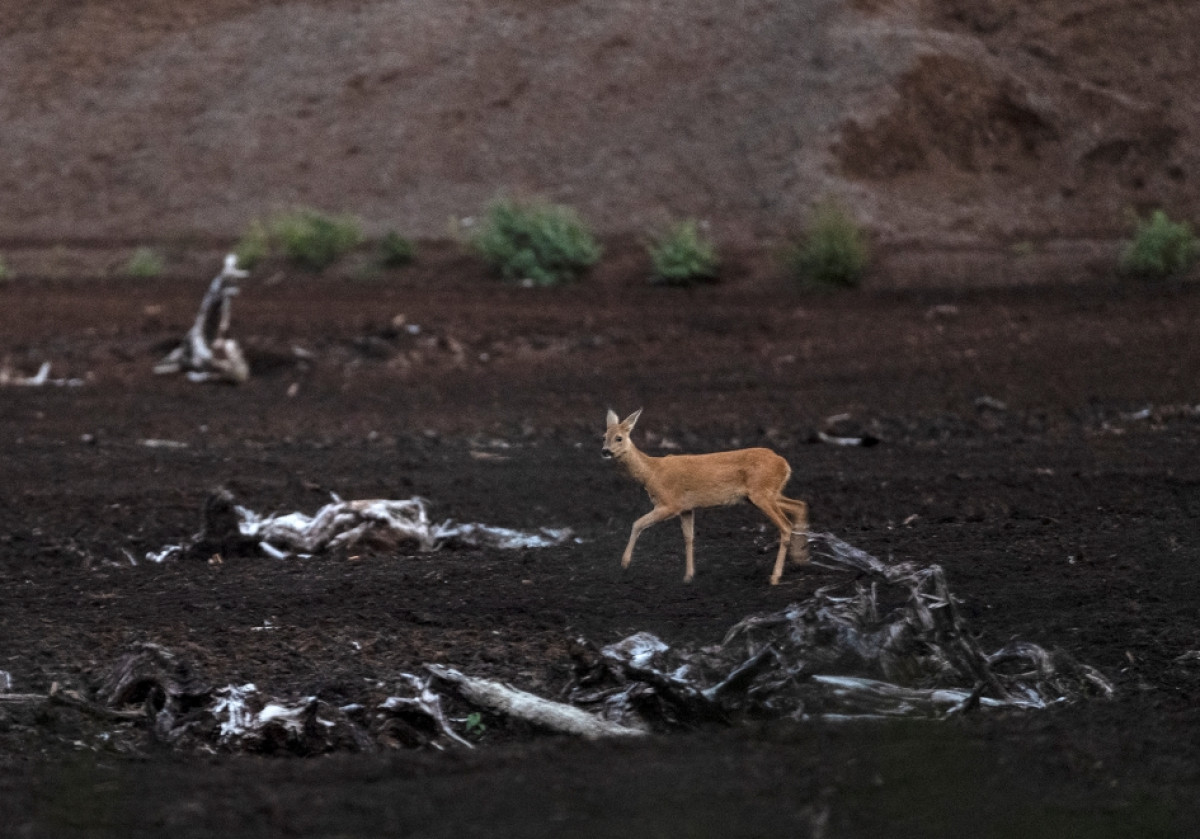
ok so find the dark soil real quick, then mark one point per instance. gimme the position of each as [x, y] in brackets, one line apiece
[1037, 419]
[1061, 508]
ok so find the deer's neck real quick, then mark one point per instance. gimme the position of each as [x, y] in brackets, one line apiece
[639, 465]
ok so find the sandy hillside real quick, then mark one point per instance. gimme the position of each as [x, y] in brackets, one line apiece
[942, 120]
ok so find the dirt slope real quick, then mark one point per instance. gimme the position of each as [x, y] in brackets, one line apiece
[1035, 120]
[943, 119]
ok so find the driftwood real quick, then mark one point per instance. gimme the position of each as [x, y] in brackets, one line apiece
[68, 699]
[375, 524]
[153, 685]
[207, 353]
[897, 646]
[385, 524]
[426, 703]
[248, 721]
[890, 643]
[10, 377]
[542, 713]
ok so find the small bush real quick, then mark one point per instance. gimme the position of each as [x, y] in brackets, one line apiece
[834, 251]
[254, 246]
[683, 256]
[535, 242]
[309, 238]
[1160, 248]
[144, 263]
[395, 251]
[314, 240]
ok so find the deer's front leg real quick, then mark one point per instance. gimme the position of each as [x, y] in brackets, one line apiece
[688, 519]
[653, 517]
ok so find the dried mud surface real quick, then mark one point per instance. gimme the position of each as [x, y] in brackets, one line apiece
[1062, 506]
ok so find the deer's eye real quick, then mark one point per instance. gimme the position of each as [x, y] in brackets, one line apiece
[618, 439]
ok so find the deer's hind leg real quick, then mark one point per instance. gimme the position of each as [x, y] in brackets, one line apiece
[772, 507]
[798, 511]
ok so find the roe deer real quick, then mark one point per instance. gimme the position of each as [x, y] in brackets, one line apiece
[678, 484]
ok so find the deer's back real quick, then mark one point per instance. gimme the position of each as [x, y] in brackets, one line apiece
[710, 480]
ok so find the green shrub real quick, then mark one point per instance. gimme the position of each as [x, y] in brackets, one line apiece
[834, 251]
[535, 242]
[395, 250]
[683, 255]
[144, 263]
[309, 238]
[254, 246]
[1160, 248]
[314, 240]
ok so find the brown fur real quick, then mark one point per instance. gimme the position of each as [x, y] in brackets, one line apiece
[678, 484]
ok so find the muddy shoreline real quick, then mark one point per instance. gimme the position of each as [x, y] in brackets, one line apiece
[1036, 442]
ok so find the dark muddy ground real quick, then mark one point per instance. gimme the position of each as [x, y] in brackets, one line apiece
[1063, 507]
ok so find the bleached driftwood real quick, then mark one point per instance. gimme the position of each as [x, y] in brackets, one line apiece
[425, 702]
[208, 353]
[543, 713]
[898, 646]
[377, 524]
[894, 645]
[10, 378]
[154, 684]
[382, 523]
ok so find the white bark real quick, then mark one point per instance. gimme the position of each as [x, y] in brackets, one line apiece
[207, 353]
[544, 713]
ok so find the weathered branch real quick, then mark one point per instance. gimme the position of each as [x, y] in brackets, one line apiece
[896, 647]
[23, 698]
[543, 713]
[207, 352]
[70, 699]
[379, 524]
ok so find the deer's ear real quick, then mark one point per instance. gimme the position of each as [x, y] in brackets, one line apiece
[612, 418]
[631, 420]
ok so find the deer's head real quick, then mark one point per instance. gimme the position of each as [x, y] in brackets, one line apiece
[616, 436]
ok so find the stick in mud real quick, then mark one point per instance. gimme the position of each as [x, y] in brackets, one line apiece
[207, 353]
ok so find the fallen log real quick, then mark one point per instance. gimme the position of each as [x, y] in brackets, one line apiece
[543, 713]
